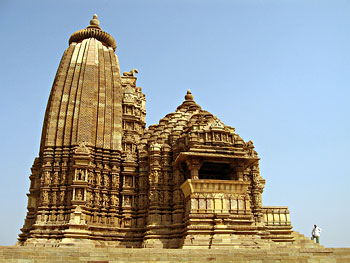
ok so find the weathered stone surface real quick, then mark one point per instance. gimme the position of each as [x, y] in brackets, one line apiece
[109, 255]
[104, 180]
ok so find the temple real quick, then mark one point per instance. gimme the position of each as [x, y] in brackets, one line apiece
[103, 179]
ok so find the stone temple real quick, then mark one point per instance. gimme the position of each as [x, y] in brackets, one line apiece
[103, 179]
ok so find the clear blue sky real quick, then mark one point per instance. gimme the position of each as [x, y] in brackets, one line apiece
[277, 71]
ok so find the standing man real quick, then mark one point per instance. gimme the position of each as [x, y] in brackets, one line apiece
[316, 233]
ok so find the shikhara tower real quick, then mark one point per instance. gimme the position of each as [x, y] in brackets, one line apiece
[103, 178]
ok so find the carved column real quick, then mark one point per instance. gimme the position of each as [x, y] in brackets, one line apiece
[114, 192]
[257, 190]
[143, 184]
[166, 199]
[46, 176]
[239, 173]
[155, 158]
[194, 165]
[152, 238]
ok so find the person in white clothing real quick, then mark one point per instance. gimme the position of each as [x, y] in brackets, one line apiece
[316, 233]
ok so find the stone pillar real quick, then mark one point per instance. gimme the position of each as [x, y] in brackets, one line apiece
[155, 158]
[143, 183]
[239, 173]
[46, 176]
[114, 192]
[194, 165]
[152, 237]
[257, 190]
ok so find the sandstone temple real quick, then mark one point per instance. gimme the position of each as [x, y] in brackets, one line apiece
[103, 179]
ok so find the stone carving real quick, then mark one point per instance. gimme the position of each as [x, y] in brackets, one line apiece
[62, 194]
[45, 197]
[88, 197]
[106, 181]
[90, 178]
[127, 200]
[128, 181]
[82, 148]
[131, 73]
[98, 179]
[105, 200]
[55, 178]
[161, 197]
[129, 98]
[114, 200]
[216, 124]
[63, 178]
[155, 147]
[47, 178]
[114, 179]
[155, 176]
[129, 157]
[250, 148]
[98, 199]
[79, 194]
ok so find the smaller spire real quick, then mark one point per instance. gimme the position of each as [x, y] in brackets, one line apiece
[189, 95]
[94, 22]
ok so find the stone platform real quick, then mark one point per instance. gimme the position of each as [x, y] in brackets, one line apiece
[112, 255]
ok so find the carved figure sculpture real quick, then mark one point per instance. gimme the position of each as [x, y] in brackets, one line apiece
[79, 195]
[131, 73]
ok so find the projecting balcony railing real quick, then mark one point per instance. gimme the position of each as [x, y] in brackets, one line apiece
[216, 196]
[276, 216]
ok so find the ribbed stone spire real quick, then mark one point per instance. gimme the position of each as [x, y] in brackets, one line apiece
[85, 101]
[82, 127]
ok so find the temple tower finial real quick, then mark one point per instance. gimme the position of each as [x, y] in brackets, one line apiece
[94, 22]
[93, 31]
[189, 95]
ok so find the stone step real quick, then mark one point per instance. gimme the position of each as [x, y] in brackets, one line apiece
[111, 255]
[304, 242]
